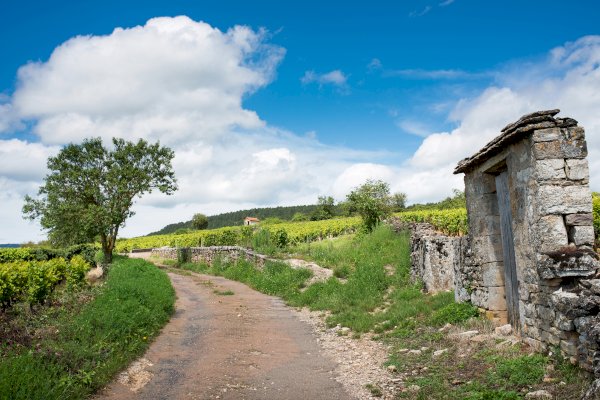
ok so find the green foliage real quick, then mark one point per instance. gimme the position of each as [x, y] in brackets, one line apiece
[184, 255]
[517, 372]
[457, 200]
[33, 281]
[299, 217]
[325, 209]
[450, 221]
[235, 218]
[199, 221]
[398, 201]
[371, 201]
[298, 232]
[88, 348]
[90, 189]
[453, 313]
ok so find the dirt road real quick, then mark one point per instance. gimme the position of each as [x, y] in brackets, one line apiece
[218, 345]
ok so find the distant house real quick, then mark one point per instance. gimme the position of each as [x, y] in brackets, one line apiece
[251, 221]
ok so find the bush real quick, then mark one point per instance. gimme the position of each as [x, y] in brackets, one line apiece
[184, 255]
[454, 313]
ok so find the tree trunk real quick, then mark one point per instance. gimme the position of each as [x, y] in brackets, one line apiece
[106, 249]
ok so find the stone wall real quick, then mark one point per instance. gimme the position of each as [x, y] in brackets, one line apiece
[209, 254]
[436, 259]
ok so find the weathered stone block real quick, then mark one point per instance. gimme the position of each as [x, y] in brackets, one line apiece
[493, 274]
[554, 199]
[546, 135]
[576, 148]
[545, 313]
[583, 219]
[581, 235]
[553, 168]
[577, 169]
[549, 338]
[552, 232]
[496, 300]
[567, 262]
[568, 347]
[530, 311]
[563, 323]
[487, 249]
[546, 150]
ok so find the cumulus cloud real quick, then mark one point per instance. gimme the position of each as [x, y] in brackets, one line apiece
[335, 77]
[172, 79]
[567, 78]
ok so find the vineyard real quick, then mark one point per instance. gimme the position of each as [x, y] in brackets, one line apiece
[451, 222]
[292, 232]
[31, 275]
[33, 281]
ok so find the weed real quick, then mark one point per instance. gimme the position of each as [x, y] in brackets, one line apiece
[374, 389]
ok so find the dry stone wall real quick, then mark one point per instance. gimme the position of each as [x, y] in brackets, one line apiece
[210, 254]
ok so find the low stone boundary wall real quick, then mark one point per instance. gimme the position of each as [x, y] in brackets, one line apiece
[209, 254]
[435, 258]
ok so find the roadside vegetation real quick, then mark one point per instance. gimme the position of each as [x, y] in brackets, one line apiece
[74, 343]
[371, 293]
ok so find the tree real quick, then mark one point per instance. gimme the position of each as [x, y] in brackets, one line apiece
[90, 189]
[199, 221]
[398, 201]
[371, 201]
[325, 209]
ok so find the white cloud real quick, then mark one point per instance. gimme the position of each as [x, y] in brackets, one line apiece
[172, 79]
[335, 77]
[568, 78]
[446, 3]
[181, 82]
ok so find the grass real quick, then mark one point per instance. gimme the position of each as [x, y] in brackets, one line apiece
[80, 348]
[223, 292]
[376, 295]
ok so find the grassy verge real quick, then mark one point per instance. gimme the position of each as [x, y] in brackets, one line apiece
[375, 295]
[77, 349]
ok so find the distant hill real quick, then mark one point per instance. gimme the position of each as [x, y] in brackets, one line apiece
[4, 245]
[237, 217]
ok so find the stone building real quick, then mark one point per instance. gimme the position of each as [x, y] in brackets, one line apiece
[531, 235]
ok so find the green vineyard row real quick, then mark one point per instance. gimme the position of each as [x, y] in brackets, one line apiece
[297, 232]
[451, 222]
[33, 281]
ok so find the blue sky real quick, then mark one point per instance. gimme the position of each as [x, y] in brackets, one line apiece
[370, 89]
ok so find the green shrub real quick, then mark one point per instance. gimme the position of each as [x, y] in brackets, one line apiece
[184, 255]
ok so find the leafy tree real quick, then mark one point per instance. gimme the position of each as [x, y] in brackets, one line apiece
[199, 221]
[398, 201]
[371, 201]
[90, 189]
[325, 209]
[298, 217]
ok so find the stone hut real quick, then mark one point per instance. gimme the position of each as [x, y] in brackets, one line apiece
[531, 235]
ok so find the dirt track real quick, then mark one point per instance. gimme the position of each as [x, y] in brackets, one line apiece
[242, 346]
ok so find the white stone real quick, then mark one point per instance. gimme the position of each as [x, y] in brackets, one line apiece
[503, 330]
[577, 169]
[564, 200]
[581, 235]
[552, 168]
[553, 233]
[539, 394]
[546, 135]
[438, 353]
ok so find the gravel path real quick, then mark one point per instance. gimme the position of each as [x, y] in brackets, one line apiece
[242, 346]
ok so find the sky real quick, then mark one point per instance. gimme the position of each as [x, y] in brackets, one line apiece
[272, 103]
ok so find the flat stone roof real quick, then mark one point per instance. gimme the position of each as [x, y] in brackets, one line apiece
[513, 133]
